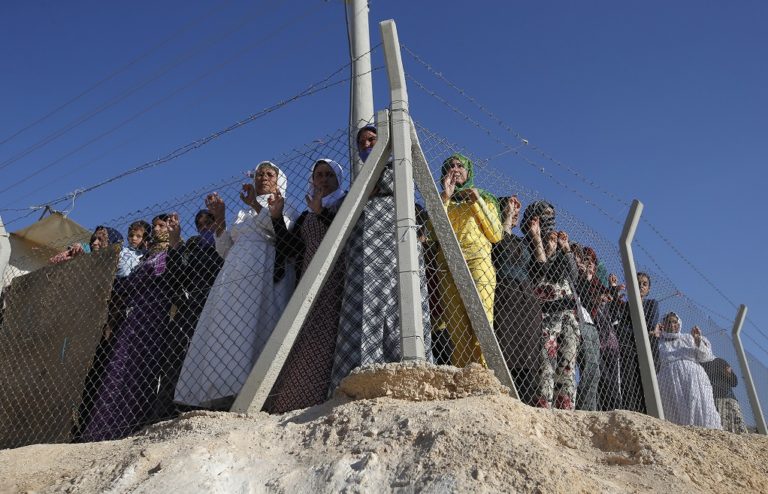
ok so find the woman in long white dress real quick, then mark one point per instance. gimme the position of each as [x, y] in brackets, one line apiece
[246, 300]
[686, 393]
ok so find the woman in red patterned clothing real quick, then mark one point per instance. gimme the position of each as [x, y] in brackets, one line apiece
[303, 381]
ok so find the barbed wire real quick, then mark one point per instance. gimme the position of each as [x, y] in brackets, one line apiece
[513, 132]
[178, 90]
[677, 292]
[500, 177]
[82, 166]
[689, 263]
[115, 73]
[180, 151]
[157, 75]
[756, 343]
[571, 170]
[162, 100]
[512, 149]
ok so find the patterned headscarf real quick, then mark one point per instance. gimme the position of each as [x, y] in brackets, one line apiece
[469, 183]
[338, 194]
[113, 236]
[546, 221]
[159, 241]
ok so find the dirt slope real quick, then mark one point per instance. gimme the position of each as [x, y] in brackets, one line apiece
[414, 427]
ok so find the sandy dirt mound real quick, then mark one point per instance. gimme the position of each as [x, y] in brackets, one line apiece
[480, 443]
[418, 381]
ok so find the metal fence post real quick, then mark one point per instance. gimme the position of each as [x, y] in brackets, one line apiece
[645, 357]
[267, 367]
[757, 410]
[411, 323]
[457, 266]
[5, 252]
[361, 87]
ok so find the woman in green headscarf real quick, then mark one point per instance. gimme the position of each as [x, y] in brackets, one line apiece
[474, 215]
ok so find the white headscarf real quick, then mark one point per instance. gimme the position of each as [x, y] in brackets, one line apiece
[668, 334]
[282, 183]
[338, 194]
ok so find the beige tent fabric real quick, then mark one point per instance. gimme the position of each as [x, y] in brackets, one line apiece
[31, 247]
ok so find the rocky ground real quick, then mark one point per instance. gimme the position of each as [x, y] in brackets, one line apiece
[402, 427]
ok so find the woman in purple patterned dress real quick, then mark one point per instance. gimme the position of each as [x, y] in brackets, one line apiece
[126, 397]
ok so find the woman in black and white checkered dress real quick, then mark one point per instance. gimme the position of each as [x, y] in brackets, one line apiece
[369, 323]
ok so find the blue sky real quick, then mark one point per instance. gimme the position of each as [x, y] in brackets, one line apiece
[661, 101]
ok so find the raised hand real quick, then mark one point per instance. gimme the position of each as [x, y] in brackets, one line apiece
[534, 228]
[550, 246]
[656, 331]
[613, 280]
[513, 207]
[276, 203]
[471, 195]
[315, 201]
[215, 205]
[562, 242]
[248, 196]
[696, 332]
[174, 229]
[449, 186]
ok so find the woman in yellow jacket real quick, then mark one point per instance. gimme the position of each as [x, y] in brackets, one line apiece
[474, 215]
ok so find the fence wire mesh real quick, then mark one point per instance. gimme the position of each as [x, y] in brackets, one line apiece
[557, 316]
[698, 372]
[176, 301]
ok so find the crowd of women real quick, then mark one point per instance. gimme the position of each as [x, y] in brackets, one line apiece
[188, 319]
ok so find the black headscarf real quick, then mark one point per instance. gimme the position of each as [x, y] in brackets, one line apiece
[546, 221]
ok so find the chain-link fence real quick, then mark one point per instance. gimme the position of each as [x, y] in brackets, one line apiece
[699, 377]
[551, 290]
[175, 302]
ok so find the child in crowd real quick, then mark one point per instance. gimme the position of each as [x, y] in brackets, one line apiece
[131, 253]
[127, 392]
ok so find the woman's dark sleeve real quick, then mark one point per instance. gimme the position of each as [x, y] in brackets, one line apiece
[537, 270]
[289, 242]
[651, 310]
[569, 262]
[654, 341]
[176, 263]
[731, 378]
[581, 285]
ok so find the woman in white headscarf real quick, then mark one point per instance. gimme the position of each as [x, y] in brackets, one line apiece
[686, 393]
[247, 298]
[303, 380]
